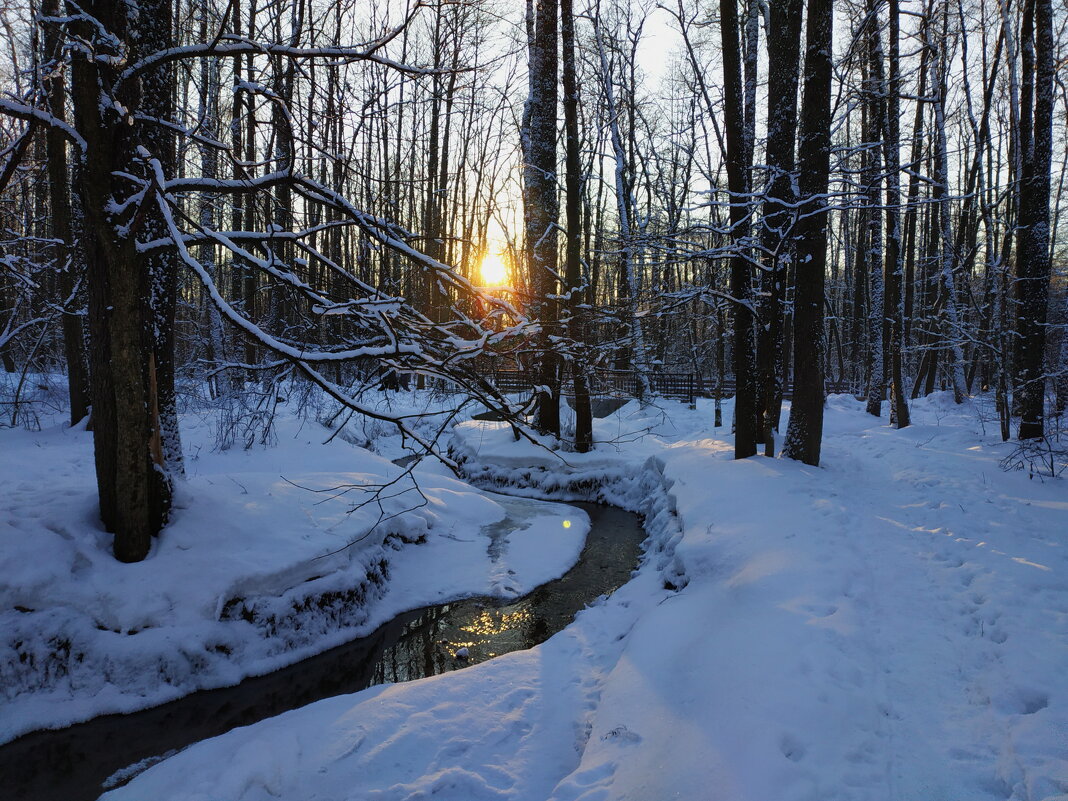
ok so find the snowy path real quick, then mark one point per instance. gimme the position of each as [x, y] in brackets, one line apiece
[889, 627]
[886, 627]
[964, 608]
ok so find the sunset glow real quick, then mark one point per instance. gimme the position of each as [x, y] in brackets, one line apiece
[493, 269]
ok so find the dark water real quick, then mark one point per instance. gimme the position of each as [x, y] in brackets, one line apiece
[71, 764]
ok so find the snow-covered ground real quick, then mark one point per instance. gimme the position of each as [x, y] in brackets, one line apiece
[892, 625]
[254, 572]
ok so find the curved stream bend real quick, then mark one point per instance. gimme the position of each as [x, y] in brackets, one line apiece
[73, 763]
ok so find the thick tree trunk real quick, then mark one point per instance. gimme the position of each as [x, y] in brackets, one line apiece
[784, 52]
[541, 207]
[573, 262]
[1033, 231]
[155, 25]
[805, 432]
[442, 89]
[745, 411]
[134, 493]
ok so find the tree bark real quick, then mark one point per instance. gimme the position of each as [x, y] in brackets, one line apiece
[576, 295]
[541, 207]
[784, 53]
[745, 411]
[805, 432]
[134, 494]
[875, 103]
[1033, 230]
[155, 25]
[894, 302]
[67, 259]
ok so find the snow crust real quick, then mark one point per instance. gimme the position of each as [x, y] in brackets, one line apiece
[891, 626]
[264, 563]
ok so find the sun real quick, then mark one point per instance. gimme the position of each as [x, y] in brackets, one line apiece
[493, 269]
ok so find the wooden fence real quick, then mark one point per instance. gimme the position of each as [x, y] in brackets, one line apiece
[624, 384]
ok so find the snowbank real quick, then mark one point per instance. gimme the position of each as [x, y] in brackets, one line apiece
[265, 562]
[490, 457]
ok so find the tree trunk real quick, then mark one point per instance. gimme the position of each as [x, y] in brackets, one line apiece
[541, 207]
[940, 195]
[576, 295]
[894, 302]
[67, 259]
[875, 102]
[1033, 231]
[209, 168]
[805, 432]
[156, 27]
[623, 180]
[134, 493]
[745, 412]
[784, 51]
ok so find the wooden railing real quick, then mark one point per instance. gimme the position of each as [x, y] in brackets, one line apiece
[612, 383]
[624, 384]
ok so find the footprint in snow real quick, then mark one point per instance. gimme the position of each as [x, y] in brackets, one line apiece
[1024, 702]
[998, 636]
[820, 610]
[792, 748]
[621, 734]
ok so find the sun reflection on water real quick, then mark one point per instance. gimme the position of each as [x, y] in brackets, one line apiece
[489, 623]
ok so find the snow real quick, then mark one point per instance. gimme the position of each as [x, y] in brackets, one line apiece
[891, 625]
[256, 570]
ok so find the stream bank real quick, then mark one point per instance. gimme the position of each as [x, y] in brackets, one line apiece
[75, 762]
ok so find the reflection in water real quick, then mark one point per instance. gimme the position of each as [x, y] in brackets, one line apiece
[488, 627]
[72, 763]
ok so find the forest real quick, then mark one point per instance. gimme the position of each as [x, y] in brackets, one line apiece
[549, 248]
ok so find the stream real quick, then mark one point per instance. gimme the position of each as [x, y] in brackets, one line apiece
[73, 764]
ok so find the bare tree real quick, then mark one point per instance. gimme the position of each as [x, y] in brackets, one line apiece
[805, 432]
[893, 309]
[573, 278]
[541, 206]
[67, 260]
[1033, 232]
[776, 234]
[745, 412]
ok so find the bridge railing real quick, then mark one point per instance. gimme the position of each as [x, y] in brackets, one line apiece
[624, 384]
